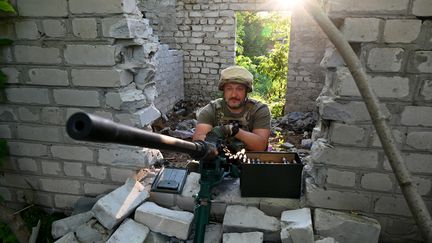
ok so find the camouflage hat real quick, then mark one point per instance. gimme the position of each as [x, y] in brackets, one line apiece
[236, 74]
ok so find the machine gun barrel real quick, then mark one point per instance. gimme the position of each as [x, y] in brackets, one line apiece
[88, 127]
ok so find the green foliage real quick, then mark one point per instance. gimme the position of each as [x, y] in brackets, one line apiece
[5, 6]
[265, 55]
[31, 217]
[6, 234]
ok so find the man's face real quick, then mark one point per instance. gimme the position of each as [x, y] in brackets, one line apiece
[234, 95]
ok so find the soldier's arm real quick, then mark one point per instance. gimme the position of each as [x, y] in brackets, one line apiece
[201, 131]
[257, 140]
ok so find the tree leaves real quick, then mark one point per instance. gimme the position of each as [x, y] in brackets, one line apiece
[5, 42]
[5, 6]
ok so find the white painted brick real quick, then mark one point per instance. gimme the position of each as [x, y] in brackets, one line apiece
[84, 28]
[6, 194]
[54, 28]
[28, 114]
[165, 221]
[341, 178]
[129, 158]
[426, 89]
[377, 181]
[117, 205]
[250, 237]
[383, 6]
[27, 149]
[385, 59]
[72, 153]
[361, 29]
[39, 133]
[90, 55]
[147, 115]
[52, 115]
[51, 168]
[101, 77]
[416, 163]
[421, 62]
[401, 30]
[417, 116]
[7, 114]
[27, 95]
[395, 205]
[65, 201]
[36, 54]
[345, 156]
[27, 164]
[343, 200]
[398, 136]
[120, 175]
[48, 76]
[86, 98]
[5, 131]
[12, 75]
[422, 8]
[420, 140]
[351, 112]
[336, 224]
[63, 226]
[126, 28]
[27, 30]
[47, 8]
[97, 172]
[348, 134]
[102, 6]
[73, 169]
[60, 185]
[129, 231]
[422, 184]
[93, 189]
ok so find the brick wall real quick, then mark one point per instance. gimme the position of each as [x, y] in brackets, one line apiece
[96, 56]
[393, 40]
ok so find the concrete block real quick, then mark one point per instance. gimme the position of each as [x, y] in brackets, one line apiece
[85, 28]
[385, 59]
[12, 75]
[36, 54]
[127, 99]
[60, 185]
[120, 175]
[127, 28]
[51, 167]
[27, 149]
[27, 30]
[97, 172]
[117, 205]
[370, 6]
[348, 134]
[422, 8]
[417, 116]
[147, 115]
[39, 133]
[153, 237]
[100, 55]
[5, 131]
[48, 76]
[362, 158]
[45, 8]
[91, 232]
[337, 224]
[7, 114]
[250, 237]
[68, 238]
[54, 28]
[401, 30]
[165, 221]
[65, 201]
[186, 200]
[213, 233]
[52, 115]
[102, 6]
[341, 178]
[326, 240]
[27, 95]
[296, 226]
[129, 231]
[398, 135]
[72, 153]
[129, 158]
[361, 29]
[164, 199]
[415, 162]
[85, 98]
[73, 169]
[420, 140]
[421, 62]
[426, 89]
[29, 114]
[27, 164]
[395, 205]
[275, 206]
[101, 77]
[243, 219]
[377, 182]
[95, 189]
[69, 224]
[343, 200]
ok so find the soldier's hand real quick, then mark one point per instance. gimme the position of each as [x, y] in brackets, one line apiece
[230, 130]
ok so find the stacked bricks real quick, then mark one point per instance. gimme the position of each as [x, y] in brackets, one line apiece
[68, 56]
[394, 46]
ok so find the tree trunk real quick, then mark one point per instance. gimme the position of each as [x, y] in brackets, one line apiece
[412, 197]
[15, 223]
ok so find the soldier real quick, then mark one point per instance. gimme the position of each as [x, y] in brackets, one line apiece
[235, 115]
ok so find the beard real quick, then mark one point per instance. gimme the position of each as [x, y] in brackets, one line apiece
[234, 103]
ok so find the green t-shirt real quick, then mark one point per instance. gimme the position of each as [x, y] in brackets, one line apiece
[256, 115]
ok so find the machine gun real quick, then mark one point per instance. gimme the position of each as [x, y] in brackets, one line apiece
[210, 153]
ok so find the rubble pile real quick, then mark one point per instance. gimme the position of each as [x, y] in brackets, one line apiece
[133, 213]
